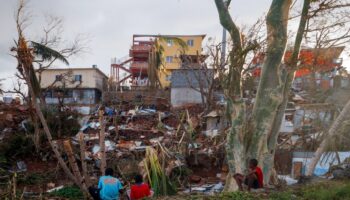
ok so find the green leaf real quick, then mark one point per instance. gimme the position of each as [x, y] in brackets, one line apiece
[47, 54]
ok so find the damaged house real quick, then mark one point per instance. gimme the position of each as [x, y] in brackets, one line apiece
[80, 88]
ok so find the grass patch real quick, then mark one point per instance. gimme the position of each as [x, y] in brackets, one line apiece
[68, 192]
[326, 191]
[285, 195]
[32, 179]
[236, 196]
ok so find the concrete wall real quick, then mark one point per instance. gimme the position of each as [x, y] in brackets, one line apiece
[91, 78]
[148, 96]
[182, 96]
[78, 96]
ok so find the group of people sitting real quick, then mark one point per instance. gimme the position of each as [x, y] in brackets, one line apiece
[110, 188]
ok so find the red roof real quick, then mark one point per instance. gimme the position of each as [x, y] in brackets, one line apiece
[319, 60]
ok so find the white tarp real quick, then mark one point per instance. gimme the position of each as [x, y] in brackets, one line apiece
[322, 167]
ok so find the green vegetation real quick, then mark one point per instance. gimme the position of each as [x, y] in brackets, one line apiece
[237, 196]
[159, 182]
[35, 178]
[284, 195]
[64, 123]
[32, 179]
[69, 192]
[326, 191]
[330, 190]
[9, 149]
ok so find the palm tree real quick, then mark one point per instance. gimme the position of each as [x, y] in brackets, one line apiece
[25, 55]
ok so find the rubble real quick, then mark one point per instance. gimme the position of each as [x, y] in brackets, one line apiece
[130, 130]
[12, 117]
[178, 133]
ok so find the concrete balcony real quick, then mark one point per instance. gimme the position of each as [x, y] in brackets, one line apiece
[137, 67]
[141, 51]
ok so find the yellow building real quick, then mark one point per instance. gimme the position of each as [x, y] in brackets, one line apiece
[173, 52]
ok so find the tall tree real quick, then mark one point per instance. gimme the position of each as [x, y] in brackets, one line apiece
[254, 135]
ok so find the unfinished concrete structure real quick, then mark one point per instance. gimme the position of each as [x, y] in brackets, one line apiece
[186, 85]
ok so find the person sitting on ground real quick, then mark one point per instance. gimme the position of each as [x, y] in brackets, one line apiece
[139, 190]
[109, 186]
[254, 178]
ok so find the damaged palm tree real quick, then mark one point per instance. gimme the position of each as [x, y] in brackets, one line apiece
[25, 57]
[155, 173]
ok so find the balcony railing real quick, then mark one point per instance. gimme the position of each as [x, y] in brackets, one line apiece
[140, 50]
[139, 65]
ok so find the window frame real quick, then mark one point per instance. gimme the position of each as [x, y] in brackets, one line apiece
[171, 59]
[170, 42]
[80, 77]
[190, 42]
[58, 77]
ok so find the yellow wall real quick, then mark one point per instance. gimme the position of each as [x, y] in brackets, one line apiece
[175, 51]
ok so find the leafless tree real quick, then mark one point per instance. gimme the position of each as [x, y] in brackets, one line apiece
[53, 37]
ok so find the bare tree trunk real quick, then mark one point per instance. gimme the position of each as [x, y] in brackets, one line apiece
[235, 152]
[249, 138]
[25, 61]
[36, 132]
[73, 163]
[49, 136]
[287, 77]
[269, 97]
[102, 142]
[333, 131]
[82, 158]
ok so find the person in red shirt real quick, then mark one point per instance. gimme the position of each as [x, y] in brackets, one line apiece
[139, 190]
[254, 179]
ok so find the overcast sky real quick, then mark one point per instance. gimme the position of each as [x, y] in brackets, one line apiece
[110, 24]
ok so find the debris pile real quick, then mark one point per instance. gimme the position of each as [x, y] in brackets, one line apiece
[190, 157]
[12, 118]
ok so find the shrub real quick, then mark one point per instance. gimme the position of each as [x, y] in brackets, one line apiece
[32, 179]
[10, 148]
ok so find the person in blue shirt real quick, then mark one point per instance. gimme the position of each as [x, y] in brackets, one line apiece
[109, 186]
